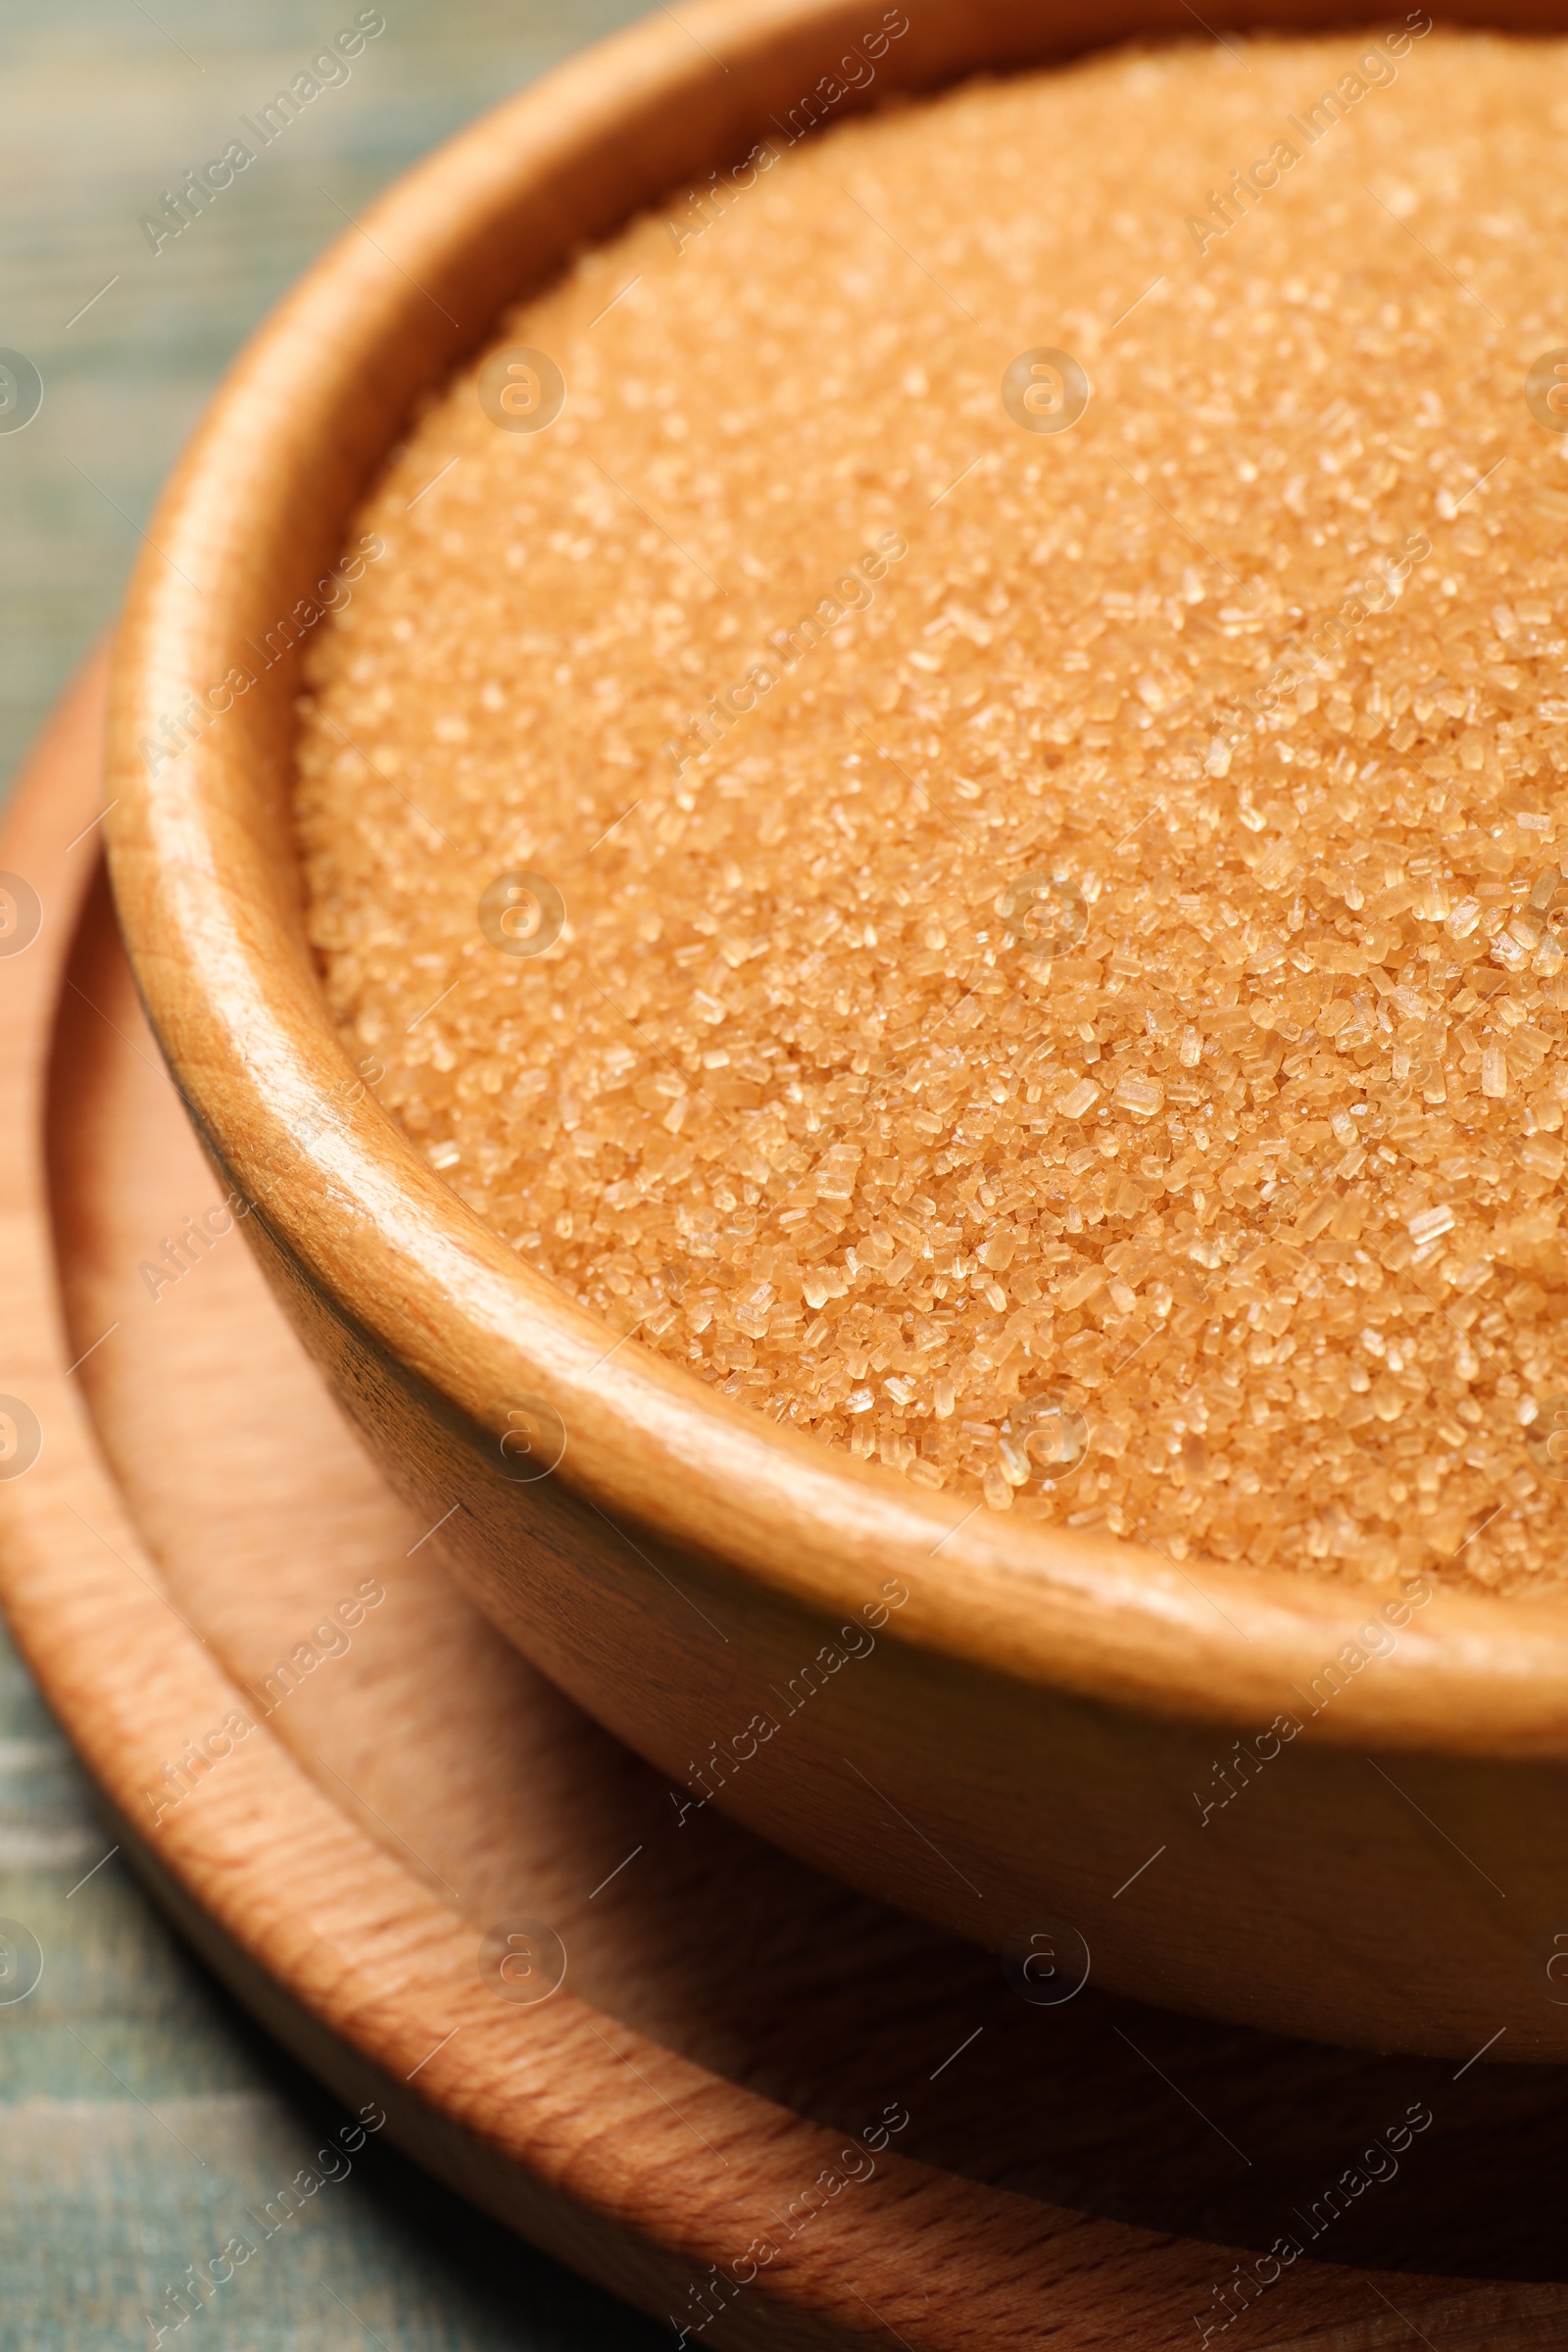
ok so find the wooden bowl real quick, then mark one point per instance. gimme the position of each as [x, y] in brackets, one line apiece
[1002, 1729]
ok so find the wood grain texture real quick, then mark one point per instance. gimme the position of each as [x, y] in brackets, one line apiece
[1039, 1711]
[730, 2023]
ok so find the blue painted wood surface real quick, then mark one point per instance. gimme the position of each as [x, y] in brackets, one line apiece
[145, 2124]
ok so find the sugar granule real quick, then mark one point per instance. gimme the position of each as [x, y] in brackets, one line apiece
[1090, 1030]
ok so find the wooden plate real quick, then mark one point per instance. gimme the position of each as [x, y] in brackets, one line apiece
[758, 2104]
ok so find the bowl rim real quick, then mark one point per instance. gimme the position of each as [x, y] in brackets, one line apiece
[207, 887]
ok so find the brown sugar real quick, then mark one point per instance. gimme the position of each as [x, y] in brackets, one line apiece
[1028, 953]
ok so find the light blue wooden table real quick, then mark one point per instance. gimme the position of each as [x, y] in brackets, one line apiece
[139, 2112]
